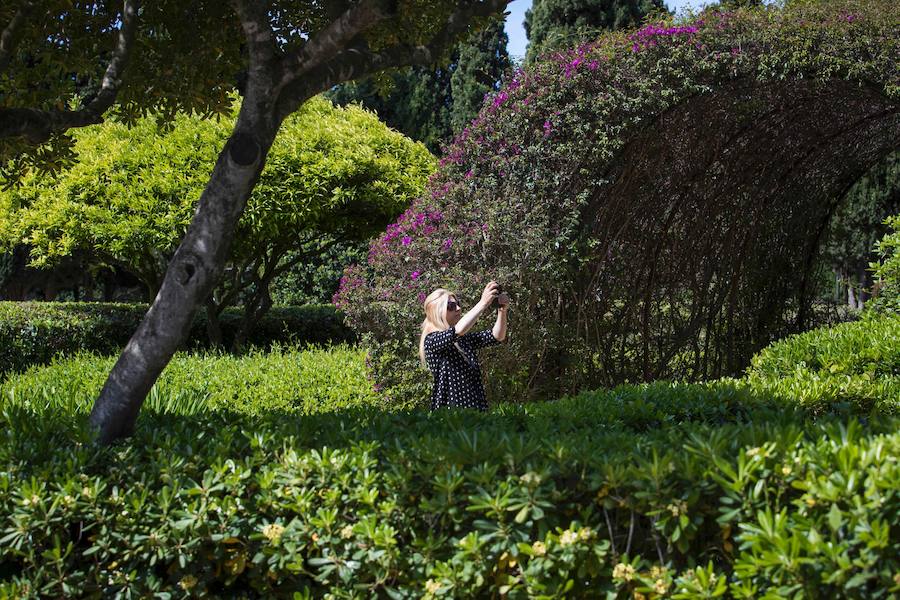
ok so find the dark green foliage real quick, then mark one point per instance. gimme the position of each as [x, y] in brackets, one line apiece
[429, 105]
[675, 490]
[33, 333]
[417, 104]
[887, 269]
[315, 280]
[483, 60]
[557, 24]
[858, 225]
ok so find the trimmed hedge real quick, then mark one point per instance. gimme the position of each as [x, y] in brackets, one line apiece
[282, 379]
[855, 363]
[725, 489]
[32, 333]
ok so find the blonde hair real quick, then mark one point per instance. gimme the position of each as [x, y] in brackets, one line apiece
[435, 306]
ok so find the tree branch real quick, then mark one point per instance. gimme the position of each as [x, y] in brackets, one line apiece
[37, 126]
[335, 38]
[353, 63]
[8, 39]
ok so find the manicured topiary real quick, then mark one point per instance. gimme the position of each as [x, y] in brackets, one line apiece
[653, 201]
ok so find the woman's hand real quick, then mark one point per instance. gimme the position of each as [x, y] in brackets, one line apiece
[490, 292]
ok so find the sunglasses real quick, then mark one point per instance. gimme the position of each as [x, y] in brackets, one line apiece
[451, 305]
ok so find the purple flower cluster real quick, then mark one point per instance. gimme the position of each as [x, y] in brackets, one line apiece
[647, 36]
[548, 127]
[405, 228]
[351, 280]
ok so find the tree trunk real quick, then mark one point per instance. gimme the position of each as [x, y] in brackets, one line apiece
[213, 325]
[191, 274]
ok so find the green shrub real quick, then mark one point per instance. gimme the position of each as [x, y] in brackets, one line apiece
[281, 380]
[857, 363]
[237, 484]
[887, 270]
[459, 504]
[34, 332]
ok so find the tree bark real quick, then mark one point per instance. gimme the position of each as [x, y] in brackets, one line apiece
[191, 275]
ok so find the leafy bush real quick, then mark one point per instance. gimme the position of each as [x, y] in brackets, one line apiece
[456, 505]
[667, 490]
[597, 188]
[34, 332]
[888, 269]
[857, 363]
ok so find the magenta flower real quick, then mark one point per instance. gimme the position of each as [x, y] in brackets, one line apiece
[421, 296]
[447, 243]
[407, 240]
[415, 275]
[548, 128]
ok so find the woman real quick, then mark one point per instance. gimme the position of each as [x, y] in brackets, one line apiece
[450, 351]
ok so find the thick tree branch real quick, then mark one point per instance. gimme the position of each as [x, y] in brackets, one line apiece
[37, 126]
[356, 62]
[9, 37]
[336, 37]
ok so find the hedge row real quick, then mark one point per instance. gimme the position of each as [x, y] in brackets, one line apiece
[854, 363]
[284, 380]
[34, 332]
[726, 489]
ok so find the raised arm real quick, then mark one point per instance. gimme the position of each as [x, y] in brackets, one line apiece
[468, 320]
[499, 329]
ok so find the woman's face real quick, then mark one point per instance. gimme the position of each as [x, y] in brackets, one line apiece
[454, 311]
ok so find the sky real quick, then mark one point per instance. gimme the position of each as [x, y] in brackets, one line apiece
[517, 8]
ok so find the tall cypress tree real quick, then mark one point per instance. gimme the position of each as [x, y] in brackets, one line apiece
[417, 103]
[482, 62]
[552, 24]
[429, 105]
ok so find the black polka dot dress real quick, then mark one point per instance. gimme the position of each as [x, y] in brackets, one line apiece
[453, 361]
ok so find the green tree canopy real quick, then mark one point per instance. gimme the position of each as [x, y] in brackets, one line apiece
[278, 54]
[335, 174]
[556, 24]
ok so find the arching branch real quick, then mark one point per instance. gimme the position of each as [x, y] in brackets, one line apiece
[38, 126]
[359, 61]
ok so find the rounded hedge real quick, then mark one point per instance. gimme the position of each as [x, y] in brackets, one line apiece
[653, 201]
